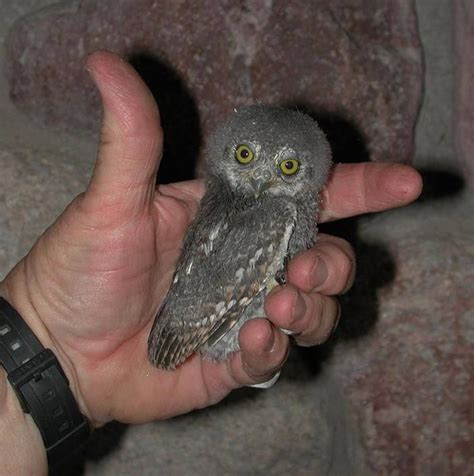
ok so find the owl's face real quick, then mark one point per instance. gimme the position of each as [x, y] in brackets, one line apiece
[270, 150]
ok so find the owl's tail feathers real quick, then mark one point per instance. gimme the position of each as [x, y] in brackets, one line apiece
[169, 346]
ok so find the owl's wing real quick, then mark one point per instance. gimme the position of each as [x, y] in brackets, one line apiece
[221, 271]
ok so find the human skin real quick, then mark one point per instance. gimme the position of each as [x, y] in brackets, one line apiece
[93, 282]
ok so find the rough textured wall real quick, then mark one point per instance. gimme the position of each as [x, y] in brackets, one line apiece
[392, 392]
[464, 37]
[357, 65]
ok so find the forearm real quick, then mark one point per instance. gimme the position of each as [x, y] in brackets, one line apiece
[21, 446]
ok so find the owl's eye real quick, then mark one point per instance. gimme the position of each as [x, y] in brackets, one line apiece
[244, 154]
[289, 166]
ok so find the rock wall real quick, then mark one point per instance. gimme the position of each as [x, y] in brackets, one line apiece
[391, 393]
[356, 65]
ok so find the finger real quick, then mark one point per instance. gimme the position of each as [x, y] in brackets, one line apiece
[311, 317]
[131, 137]
[354, 189]
[264, 350]
[328, 267]
[190, 190]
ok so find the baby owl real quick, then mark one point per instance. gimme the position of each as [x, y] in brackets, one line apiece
[265, 167]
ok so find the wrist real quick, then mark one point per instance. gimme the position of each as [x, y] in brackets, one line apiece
[37, 377]
[16, 290]
[21, 447]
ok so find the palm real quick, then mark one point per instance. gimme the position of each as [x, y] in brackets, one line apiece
[131, 262]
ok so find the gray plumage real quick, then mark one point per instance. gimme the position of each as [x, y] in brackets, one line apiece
[265, 167]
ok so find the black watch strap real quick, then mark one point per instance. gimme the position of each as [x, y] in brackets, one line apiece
[41, 386]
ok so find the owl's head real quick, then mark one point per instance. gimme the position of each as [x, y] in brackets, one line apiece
[270, 150]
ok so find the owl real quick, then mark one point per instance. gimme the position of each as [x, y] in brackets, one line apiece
[265, 168]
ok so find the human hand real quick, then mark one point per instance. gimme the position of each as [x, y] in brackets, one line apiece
[92, 284]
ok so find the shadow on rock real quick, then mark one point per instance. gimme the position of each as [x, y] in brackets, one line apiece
[359, 306]
[347, 142]
[440, 184]
[179, 117]
[103, 441]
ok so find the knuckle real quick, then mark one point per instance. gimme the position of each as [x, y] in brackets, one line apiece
[130, 133]
[348, 270]
[343, 259]
[346, 266]
[315, 314]
[261, 372]
[340, 244]
[323, 321]
[332, 317]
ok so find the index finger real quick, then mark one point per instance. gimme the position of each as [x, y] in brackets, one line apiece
[354, 189]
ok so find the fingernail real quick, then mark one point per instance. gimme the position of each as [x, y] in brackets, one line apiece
[319, 274]
[300, 307]
[268, 347]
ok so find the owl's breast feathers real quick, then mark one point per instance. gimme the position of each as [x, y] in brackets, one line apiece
[229, 257]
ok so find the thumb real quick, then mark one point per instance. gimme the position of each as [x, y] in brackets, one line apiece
[123, 181]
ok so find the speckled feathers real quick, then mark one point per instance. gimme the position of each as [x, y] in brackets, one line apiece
[251, 219]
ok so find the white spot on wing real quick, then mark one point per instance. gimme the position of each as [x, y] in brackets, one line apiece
[207, 247]
[239, 274]
[288, 232]
[175, 279]
[189, 267]
[253, 260]
[214, 232]
[281, 247]
[220, 308]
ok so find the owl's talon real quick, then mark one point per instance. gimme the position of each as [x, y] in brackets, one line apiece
[288, 332]
[268, 383]
[280, 277]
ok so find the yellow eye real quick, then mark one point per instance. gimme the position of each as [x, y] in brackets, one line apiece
[289, 166]
[243, 154]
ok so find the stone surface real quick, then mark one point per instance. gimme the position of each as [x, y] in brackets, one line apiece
[357, 64]
[434, 131]
[464, 119]
[260, 433]
[40, 185]
[411, 378]
[394, 389]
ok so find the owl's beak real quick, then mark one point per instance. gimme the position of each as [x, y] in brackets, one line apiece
[260, 183]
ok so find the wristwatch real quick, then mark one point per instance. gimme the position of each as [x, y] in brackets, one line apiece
[41, 386]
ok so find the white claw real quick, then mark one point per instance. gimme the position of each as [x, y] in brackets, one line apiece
[268, 383]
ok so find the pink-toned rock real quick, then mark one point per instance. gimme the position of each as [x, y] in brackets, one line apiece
[359, 61]
[464, 117]
[411, 380]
